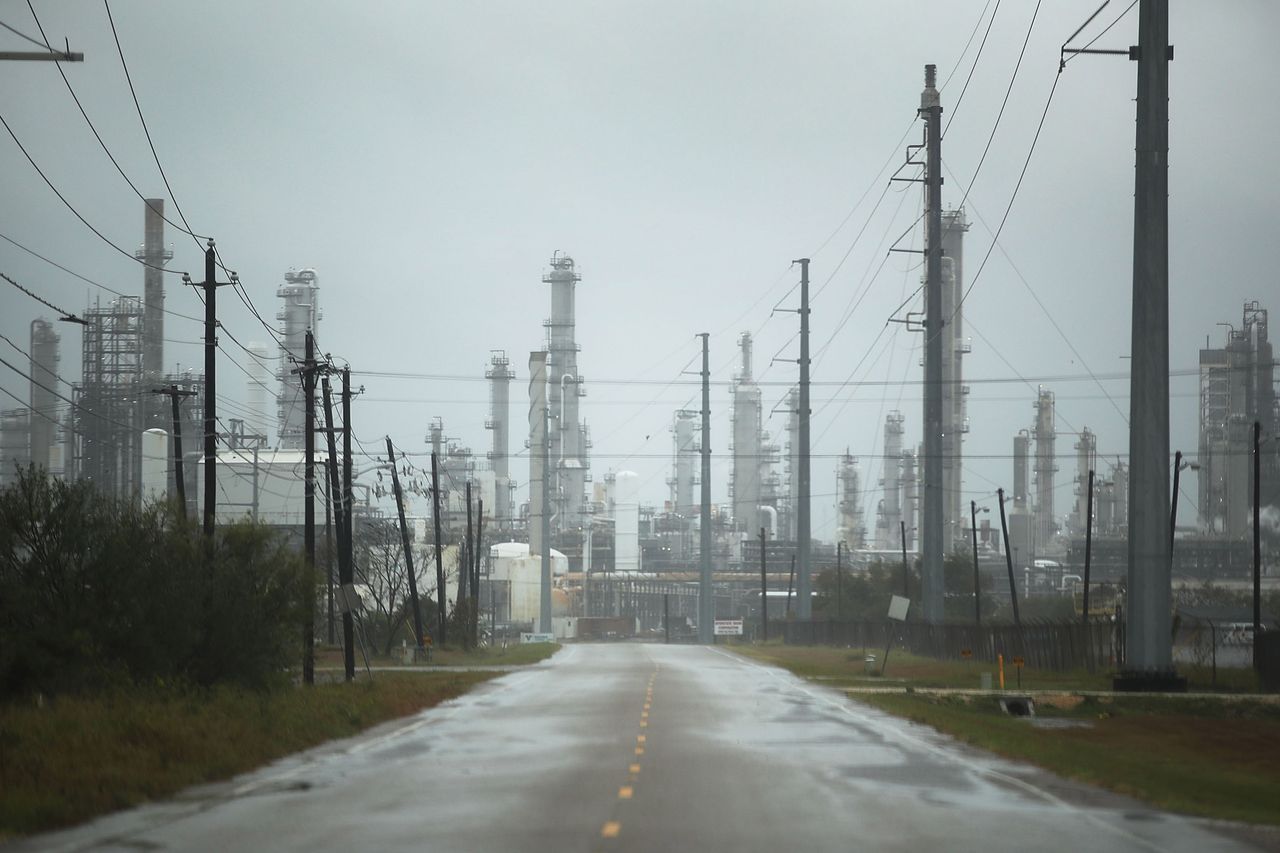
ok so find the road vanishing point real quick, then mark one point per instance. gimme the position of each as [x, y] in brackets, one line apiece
[638, 747]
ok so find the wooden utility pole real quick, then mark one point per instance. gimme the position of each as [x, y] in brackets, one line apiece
[175, 395]
[464, 574]
[475, 575]
[839, 582]
[1257, 538]
[1088, 547]
[764, 587]
[441, 606]
[977, 574]
[346, 566]
[331, 466]
[1008, 558]
[309, 495]
[210, 287]
[407, 545]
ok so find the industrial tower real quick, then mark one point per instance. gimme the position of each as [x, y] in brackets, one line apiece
[851, 530]
[684, 476]
[154, 254]
[888, 527]
[1086, 461]
[1237, 387]
[1046, 467]
[568, 454]
[44, 449]
[955, 420]
[500, 375]
[300, 313]
[745, 485]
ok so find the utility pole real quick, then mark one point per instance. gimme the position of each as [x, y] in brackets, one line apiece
[408, 547]
[309, 495]
[330, 636]
[346, 566]
[977, 575]
[210, 287]
[464, 575]
[334, 488]
[706, 605]
[1149, 656]
[441, 615]
[175, 395]
[544, 598]
[839, 582]
[1257, 538]
[906, 568]
[1088, 547]
[932, 521]
[764, 587]
[804, 608]
[475, 575]
[1008, 558]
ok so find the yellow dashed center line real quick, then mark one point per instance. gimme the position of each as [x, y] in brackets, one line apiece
[624, 793]
[640, 738]
[639, 750]
[611, 829]
[634, 768]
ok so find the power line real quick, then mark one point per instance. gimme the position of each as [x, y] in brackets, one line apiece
[1003, 104]
[72, 208]
[102, 143]
[129, 79]
[21, 34]
[87, 280]
[66, 315]
[972, 68]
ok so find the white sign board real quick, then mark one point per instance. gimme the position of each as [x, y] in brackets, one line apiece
[898, 607]
[537, 638]
[728, 628]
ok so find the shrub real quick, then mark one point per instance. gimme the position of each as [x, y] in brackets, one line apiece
[96, 592]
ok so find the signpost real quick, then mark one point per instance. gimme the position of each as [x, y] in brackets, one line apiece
[527, 637]
[898, 607]
[728, 628]
[1019, 662]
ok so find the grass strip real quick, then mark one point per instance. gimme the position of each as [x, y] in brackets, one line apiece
[1213, 758]
[516, 654]
[79, 757]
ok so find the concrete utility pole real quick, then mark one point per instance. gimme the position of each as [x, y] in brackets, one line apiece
[706, 604]
[210, 287]
[1149, 652]
[932, 521]
[308, 502]
[804, 598]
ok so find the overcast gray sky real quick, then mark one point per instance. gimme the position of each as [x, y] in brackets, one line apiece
[427, 159]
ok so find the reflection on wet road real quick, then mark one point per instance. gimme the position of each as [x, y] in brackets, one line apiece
[644, 747]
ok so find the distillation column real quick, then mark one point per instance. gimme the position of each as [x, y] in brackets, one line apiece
[500, 375]
[564, 387]
[300, 313]
[746, 445]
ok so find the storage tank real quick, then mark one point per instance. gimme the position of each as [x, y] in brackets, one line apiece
[627, 522]
[155, 465]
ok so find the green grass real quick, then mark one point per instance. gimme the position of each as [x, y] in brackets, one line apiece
[1213, 756]
[516, 654]
[842, 667]
[78, 757]
[1209, 757]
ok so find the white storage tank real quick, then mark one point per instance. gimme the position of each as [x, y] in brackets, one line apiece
[627, 522]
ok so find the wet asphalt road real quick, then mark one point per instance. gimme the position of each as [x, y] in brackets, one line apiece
[644, 747]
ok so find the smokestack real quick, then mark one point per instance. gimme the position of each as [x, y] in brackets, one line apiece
[155, 255]
[44, 405]
[500, 375]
